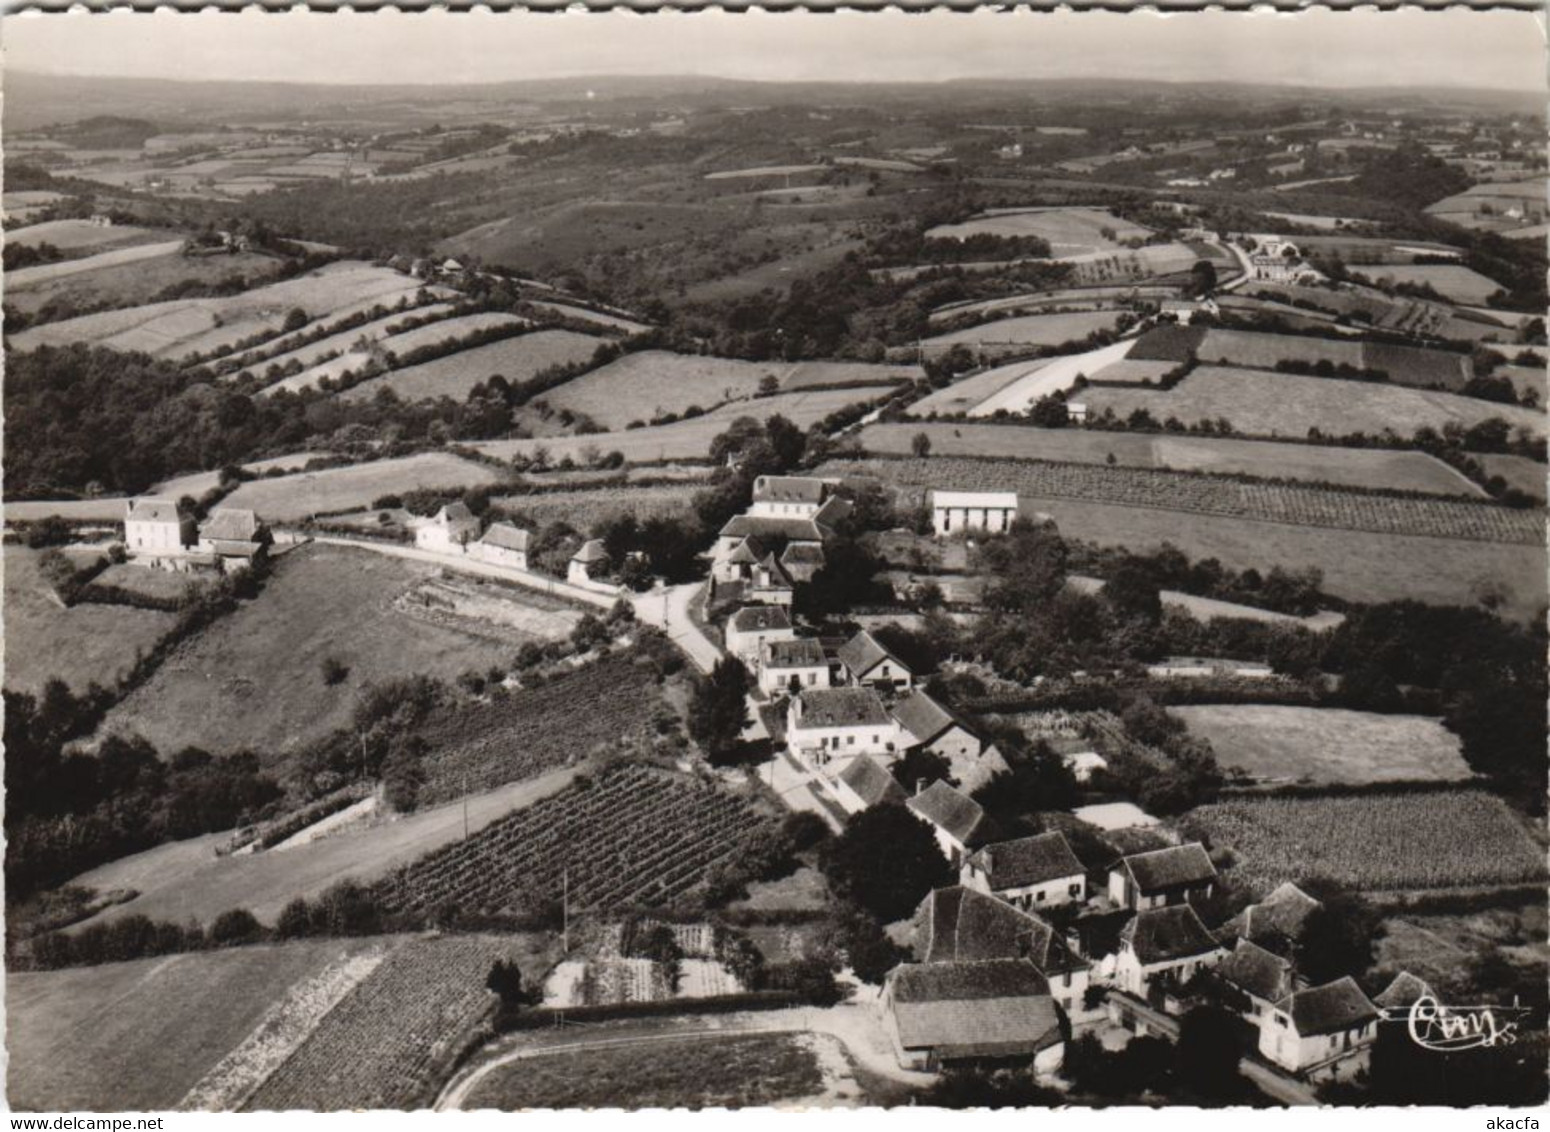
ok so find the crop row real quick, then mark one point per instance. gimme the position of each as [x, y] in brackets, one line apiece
[385, 1045]
[1213, 495]
[1374, 842]
[637, 837]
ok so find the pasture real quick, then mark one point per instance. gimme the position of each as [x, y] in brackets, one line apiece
[516, 359]
[1030, 330]
[1345, 467]
[1322, 745]
[197, 483]
[80, 645]
[596, 318]
[172, 1020]
[396, 343]
[1058, 376]
[254, 679]
[1528, 476]
[586, 509]
[961, 396]
[1373, 842]
[1260, 403]
[80, 235]
[1451, 280]
[346, 341]
[691, 1072]
[652, 383]
[349, 488]
[138, 282]
[181, 327]
[1069, 231]
[27, 277]
[1405, 365]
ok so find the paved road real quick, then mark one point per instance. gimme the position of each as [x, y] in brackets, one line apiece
[668, 609]
[543, 582]
[1246, 268]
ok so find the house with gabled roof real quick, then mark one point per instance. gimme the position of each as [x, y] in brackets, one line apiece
[769, 584]
[866, 663]
[990, 1012]
[865, 783]
[750, 627]
[959, 823]
[1261, 977]
[1310, 1031]
[1168, 943]
[157, 532]
[797, 662]
[930, 726]
[1403, 993]
[992, 512]
[828, 727]
[958, 924]
[586, 563]
[802, 560]
[449, 531]
[1174, 875]
[504, 544]
[1277, 921]
[234, 537]
[1030, 872]
[786, 496]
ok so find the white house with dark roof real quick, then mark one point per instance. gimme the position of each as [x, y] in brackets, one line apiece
[828, 727]
[504, 544]
[1169, 942]
[992, 512]
[1277, 921]
[1309, 1031]
[234, 537]
[591, 559]
[866, 663]
[995, 1011]
[449, 531]
[769, 584]
[930, 726]
[751, 627]
[796, 660]
[1174, 875]
[1262, 977]
[866, 783]
[157, 527]
[957, 820]
[788, 496]
[1030, 872]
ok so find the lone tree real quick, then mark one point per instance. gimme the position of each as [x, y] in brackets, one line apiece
[505, 979]
[886, 861]
[718, 709]
[920, 444]
[1203, 278]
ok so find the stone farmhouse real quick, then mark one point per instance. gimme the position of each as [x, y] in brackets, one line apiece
[996, 1010]
[1030, 872]
[158, 533]
[1310, 1031]
[1261, 977]
[866, 663]
[449, 531]
[504, 544]
[789, 518]
[958, 822]
[750, 628]
[1164, 943]
[990, 511]
[828, 727]
[866, 783]
[590, 560]
[932, 727]
[233, 537]
[1162, 877]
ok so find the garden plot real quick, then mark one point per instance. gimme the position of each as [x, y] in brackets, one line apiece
[488, 609]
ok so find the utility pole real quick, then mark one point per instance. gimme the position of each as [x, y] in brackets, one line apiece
[465, 805]
[565, 911]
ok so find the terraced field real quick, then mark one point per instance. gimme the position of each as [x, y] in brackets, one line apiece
[516, 359]
[1213, 495]
[335, 490]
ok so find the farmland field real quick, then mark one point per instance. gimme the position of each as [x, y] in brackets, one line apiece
[442, 330]
[1528, 476]
[312, 353]
[515, 359]
[80, 235]
[252, 679]
[1405, 365]
[333, 490]
[470, 746]
[181, 327]
[1070, 231]
[713, 1071]
[690, 440]
[1357, 565]
[197, 483]
[1214, 495]
[584, 510]
[27, 277]
[186, 880]
[392, 1040]
[1031, 330]
[1347, 467]
[1326, 744]
[636, 837]
[79, 645]
[1451, 280]
[128, 284]
[1374, 842]
[961, 396]
[172, 1019]
[1283, 404]
[652, 383]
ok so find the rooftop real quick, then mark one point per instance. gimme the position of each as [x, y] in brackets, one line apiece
[872, 783]
[456, 513]
[506, 535]
[840, 707]
[1260, 972]
[591, 551]
[862, 653]
[788, 489]
[1161, 935]
[1404, 991]
[231, 524]
[757, 618]
[773, 527]
[1175, 867]
[802, 652]
[958, 923]
[990, 499]
[955, 813]
[1329, 1009]
[1028, 861]
[152, 510]
[923, 717]
[998, 1008]
[1115, 815]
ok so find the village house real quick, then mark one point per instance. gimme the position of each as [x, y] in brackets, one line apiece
[959, 924]
[1276, 922]
[749, 628]
[990, 511]
[234, 537]
[994, 1011]
[158, 533]
[958, 821]
[802, 560]
[1184, 310]
[787, 497]
[1401, 995]
[866, 783]
[1030, 872]
[931, 727]
[1261, 977]
[828, 727]
[866, 663]
[769, 584]
[745, 540]
[1309, 1031]
[1174, 875]
[504, 544]
[586, 563]
[1168, 944]
[449, 531]
[796, 663]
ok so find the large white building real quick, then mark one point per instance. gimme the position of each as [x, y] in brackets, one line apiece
[449, 531]
[157, 532]
[990, 511]
[504, 544]
[787, 497]
[1309, 1031]
[828, 727]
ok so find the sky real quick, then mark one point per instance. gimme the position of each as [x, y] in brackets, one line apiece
[1452, 48]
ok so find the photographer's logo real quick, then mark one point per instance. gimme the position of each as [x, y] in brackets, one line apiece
[1450, 1029]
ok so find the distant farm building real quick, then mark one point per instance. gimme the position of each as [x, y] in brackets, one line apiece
[234, 537]
[504, 544]
[990, 511]
[1162, 877]
[1030, 872]
[158, 533]
[587, 563]
[449, 531]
